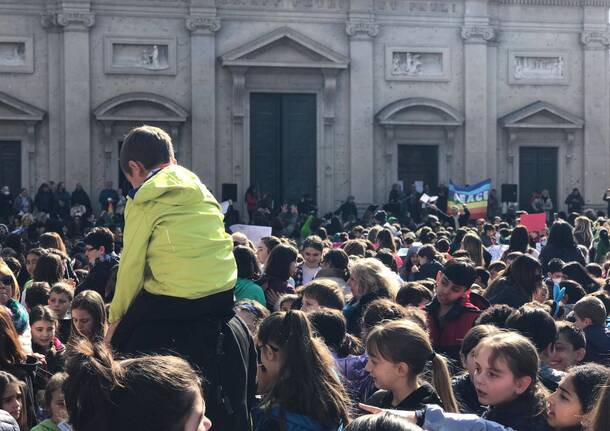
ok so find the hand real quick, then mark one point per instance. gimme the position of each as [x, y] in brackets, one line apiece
[110, 332]
[407, 415]
[40, 357]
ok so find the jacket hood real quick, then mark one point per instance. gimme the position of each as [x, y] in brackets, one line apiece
[7, 422]
[172, 185]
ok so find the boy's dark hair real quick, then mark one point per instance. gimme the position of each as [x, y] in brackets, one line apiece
[573, 334]
[338, 259]
[63, 289]
[592, 308]
[100, 236]
[604, 297]
[148, 145]
[326, 292]
[38, 294]
[534, 323]
[488, 227]
[461, 272]
[428, 251]
[413, 294]
[313, 241]
[247, 265]
[495, 315]
[380, 310]
[595, 270]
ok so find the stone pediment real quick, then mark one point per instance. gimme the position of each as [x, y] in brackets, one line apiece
[285, 48]
[140, 107]
[541, 115]
[419, 111]
[12, 109]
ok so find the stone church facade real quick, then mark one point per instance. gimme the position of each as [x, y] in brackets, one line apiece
[327, 97]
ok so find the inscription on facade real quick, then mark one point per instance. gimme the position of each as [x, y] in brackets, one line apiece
[418, 7]
[288, 4]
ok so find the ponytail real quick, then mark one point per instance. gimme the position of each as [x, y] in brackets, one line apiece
[441, 380]
[93, 375]
[405, 341]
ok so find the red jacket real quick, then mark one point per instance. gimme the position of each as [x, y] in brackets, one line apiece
[447, 336]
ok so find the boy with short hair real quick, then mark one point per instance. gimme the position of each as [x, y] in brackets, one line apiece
[570, 348]
[451, 314]
[321, 293]
[60, 299]
[590, 314]
[313, 246]
[533, 322]
[174, 289]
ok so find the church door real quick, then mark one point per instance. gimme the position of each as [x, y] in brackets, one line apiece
[537, 171]
[418, 163]
[283, 145]
[10, 165]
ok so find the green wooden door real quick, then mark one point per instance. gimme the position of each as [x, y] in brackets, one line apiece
[10, 165]
[537, 171]
[418, 163]
[283, 145]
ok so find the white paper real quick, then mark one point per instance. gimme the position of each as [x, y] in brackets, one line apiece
[254, 233]
[424, 198]
[433, 199]
[419, 186]
[224, 207]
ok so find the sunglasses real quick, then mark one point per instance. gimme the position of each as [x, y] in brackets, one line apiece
[6, 280]
[259, 352]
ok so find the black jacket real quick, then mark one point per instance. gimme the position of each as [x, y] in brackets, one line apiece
[98, 277]
[427, 270]
[502, 291]
[526, 413]
[206, 333]
[466, 395]
[598, 345]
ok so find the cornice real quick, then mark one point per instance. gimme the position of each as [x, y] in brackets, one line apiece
[565, 3]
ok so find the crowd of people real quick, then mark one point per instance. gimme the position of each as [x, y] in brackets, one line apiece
[373, 321]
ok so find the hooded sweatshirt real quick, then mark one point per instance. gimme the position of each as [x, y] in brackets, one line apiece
[174, 242]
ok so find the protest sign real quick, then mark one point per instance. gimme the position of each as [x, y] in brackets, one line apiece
[473, 197]
[534, 222]
[254, 233]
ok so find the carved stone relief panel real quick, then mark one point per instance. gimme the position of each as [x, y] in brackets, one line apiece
[16, 54]
[417, 64]
[140, 56]
[538, 67]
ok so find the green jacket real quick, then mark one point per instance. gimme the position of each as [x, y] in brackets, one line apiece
[46, 425]
[174, 242]
[247, 289]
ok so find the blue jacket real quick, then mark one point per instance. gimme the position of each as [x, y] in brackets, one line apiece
[269, 420]
[437, 420]
[598, 344]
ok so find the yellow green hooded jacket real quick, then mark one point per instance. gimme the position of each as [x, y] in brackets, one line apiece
[174, 242]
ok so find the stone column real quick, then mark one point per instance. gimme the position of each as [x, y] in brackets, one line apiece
[203, 97]
[361, 29]
[327, 198]
[476, 33]
[596, 41]
[56, 155]
[77, 96]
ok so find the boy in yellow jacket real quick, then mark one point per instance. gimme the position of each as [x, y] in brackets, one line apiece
[174, 290]
[174, 239]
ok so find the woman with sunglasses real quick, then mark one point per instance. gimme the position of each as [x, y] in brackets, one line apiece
[295, 377]
[9, 297]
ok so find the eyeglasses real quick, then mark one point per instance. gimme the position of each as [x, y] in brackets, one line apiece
[259, 352]
[6, 280]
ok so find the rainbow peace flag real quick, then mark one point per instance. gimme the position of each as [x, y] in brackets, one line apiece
[474, 197]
